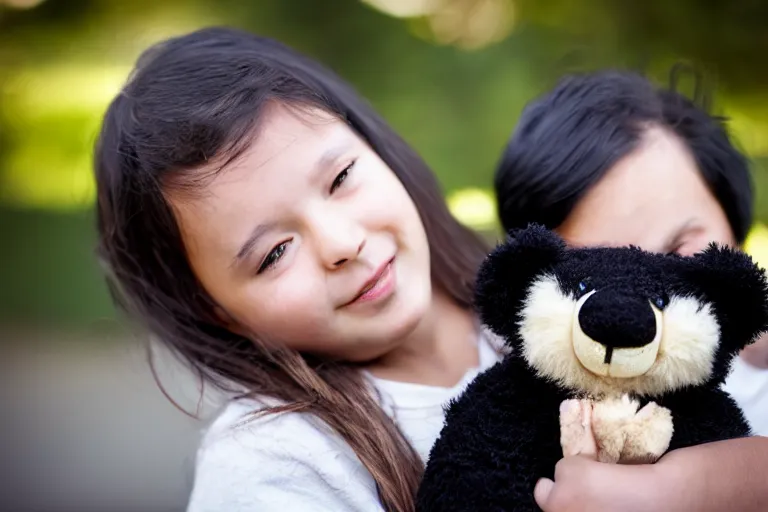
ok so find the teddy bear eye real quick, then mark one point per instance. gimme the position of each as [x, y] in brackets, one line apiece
[661, 301]
[584, 286]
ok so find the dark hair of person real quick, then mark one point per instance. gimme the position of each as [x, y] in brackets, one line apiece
[568, 139]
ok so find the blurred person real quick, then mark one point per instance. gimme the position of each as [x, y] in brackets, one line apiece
[608, 159]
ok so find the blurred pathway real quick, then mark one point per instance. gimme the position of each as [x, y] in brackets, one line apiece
[84, 427]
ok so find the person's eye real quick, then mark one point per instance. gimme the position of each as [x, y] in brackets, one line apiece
[341, 177]
[273, 257]
[681, 249]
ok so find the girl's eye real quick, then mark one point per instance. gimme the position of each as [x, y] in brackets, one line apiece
[677, 249]
[273, 257]
[341, 177]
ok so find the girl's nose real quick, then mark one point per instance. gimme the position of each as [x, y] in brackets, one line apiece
[338, 240]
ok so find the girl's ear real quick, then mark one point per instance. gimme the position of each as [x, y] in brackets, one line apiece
[507, 273]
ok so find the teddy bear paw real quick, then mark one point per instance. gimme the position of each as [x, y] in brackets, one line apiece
[609, 421]
[647, 438]
[575, 422]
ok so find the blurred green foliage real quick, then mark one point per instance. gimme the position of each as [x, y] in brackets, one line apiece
[452, 80]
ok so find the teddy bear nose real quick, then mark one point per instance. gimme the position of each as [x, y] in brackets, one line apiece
[618, 320]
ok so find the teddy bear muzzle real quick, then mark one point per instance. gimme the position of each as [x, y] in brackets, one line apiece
[616, 334]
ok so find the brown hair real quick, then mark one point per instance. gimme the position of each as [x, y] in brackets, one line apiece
[197, 98]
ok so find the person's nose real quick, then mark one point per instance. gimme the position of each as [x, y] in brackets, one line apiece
[338, 239]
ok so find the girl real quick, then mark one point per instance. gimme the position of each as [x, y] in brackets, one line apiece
[261, 219]
[607, 159]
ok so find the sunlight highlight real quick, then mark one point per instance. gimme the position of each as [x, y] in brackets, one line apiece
[756, 244]
[473, 207]
[65, 87]
[405, 8]
[57, 112]
[21, 4]
[468, 24]
[750, 129]
[45, 177]
[472, 24]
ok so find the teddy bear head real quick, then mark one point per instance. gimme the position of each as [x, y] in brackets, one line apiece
[621, 320]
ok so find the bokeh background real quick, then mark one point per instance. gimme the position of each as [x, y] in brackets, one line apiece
[83, 425]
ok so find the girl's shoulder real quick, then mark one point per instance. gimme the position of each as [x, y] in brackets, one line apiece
[748, 385]
[263, 461]
[243, 424]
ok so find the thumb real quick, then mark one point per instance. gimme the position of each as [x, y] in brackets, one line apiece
[542, 491]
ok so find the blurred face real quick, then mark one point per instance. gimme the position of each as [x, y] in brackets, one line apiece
[310, 240]
[654, 198]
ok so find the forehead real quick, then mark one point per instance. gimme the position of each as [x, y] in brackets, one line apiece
[287, 144]
[646, 195]
[287, 140]
[293, 131]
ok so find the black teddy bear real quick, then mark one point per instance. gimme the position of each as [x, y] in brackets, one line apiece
[647, 338]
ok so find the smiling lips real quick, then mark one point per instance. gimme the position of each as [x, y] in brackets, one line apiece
[378, 287]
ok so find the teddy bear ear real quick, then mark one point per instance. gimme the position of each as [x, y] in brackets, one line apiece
[737, 289]
[507, 273]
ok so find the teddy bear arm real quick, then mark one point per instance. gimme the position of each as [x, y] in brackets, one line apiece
[500, 437]
[704, 416]
[468, 471]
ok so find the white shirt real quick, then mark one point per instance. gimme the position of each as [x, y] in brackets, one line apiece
[749, 387]
[293, 461]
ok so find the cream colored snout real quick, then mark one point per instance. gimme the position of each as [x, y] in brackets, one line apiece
[624, 362]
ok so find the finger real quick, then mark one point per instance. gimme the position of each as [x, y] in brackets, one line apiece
[588, 446]
[571, 429]
[542, 492]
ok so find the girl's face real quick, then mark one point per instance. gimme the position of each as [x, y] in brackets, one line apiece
[654, 198]
[310, 240]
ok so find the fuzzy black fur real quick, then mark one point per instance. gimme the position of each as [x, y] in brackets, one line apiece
[503, 433]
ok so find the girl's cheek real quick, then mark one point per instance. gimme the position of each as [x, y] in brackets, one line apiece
[289, 311]
[371, 203]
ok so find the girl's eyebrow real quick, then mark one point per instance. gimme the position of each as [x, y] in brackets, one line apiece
[329, 157]
[258, 231]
